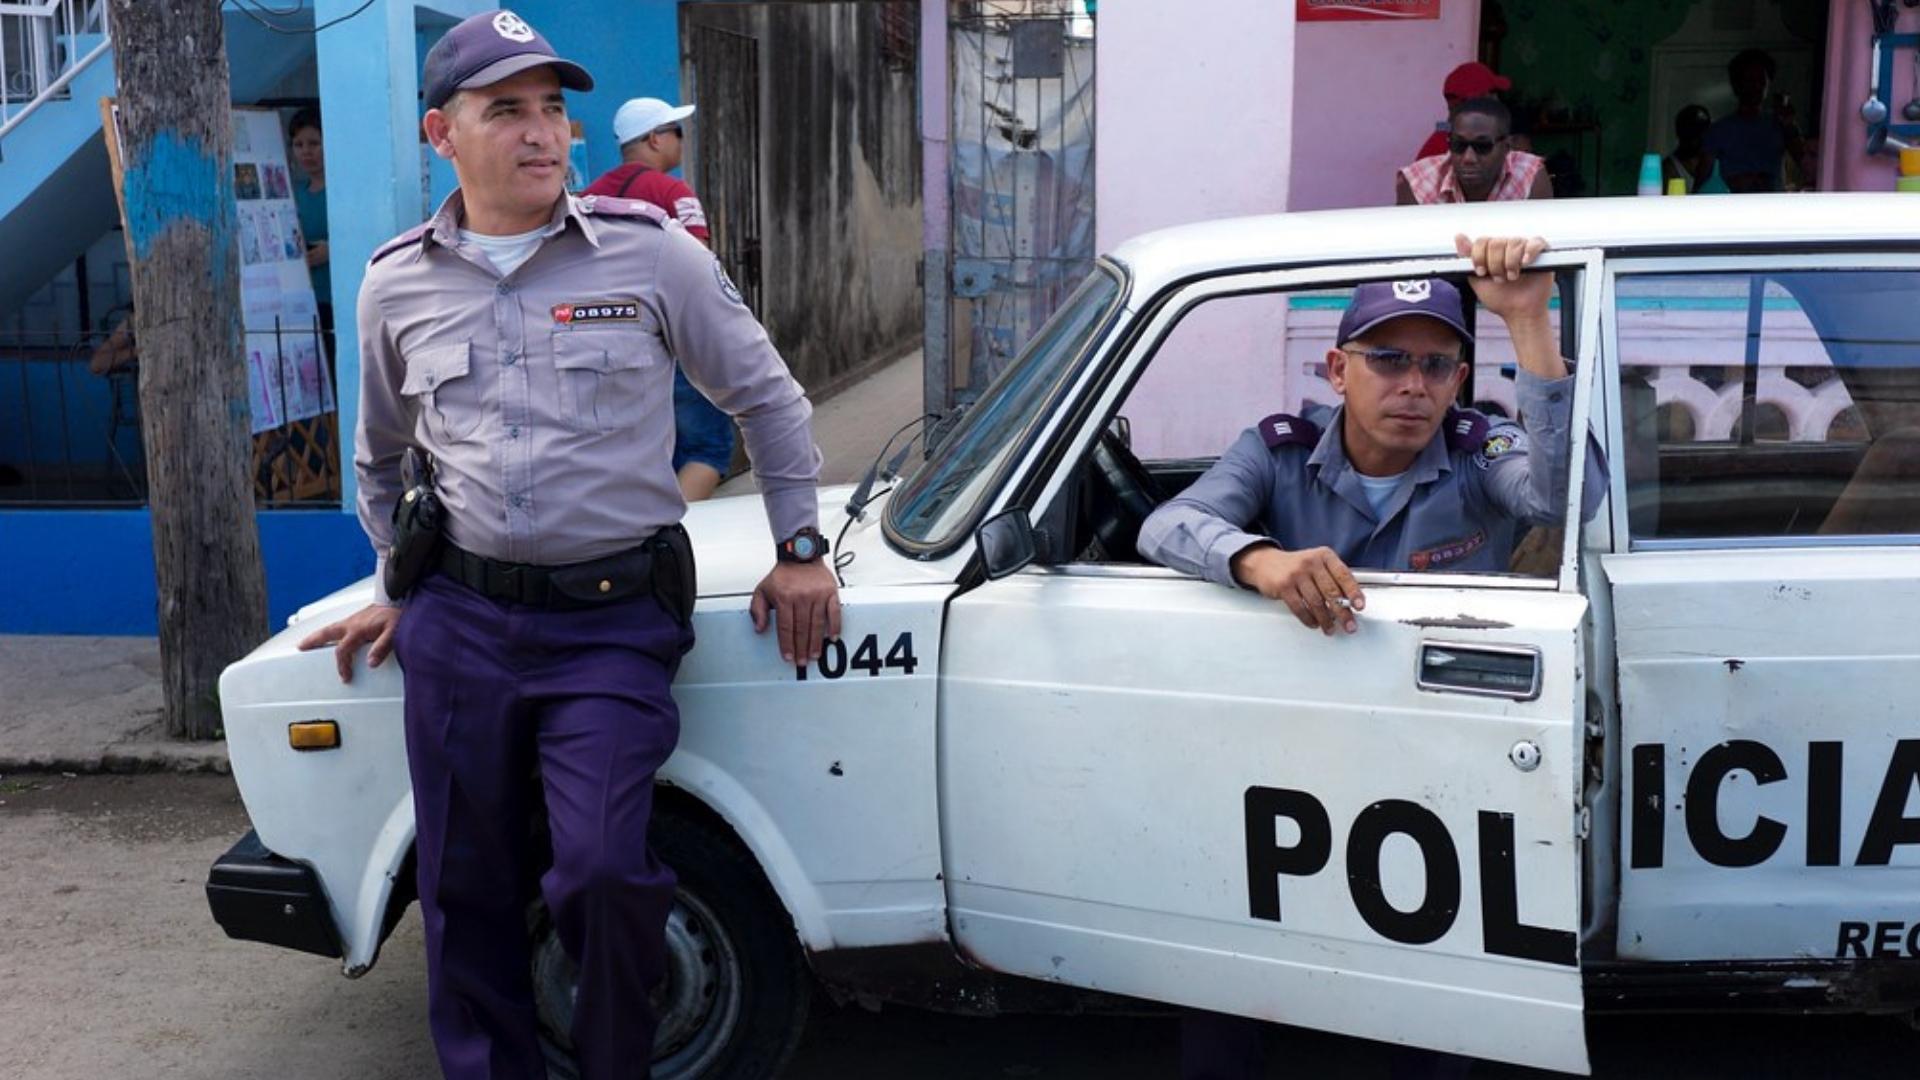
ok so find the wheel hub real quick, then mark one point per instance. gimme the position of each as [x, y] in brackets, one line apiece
[697, 1003]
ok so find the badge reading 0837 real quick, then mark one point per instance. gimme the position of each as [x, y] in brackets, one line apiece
[726, 283]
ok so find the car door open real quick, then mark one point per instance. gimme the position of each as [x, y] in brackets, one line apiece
[1158, 786]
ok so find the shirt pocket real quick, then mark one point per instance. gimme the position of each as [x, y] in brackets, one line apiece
[441, 382]
[606, 377]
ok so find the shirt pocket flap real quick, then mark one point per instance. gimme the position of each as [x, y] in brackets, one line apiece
[428, 368]
[604, 352]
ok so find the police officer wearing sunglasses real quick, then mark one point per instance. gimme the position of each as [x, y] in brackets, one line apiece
[1396, 478]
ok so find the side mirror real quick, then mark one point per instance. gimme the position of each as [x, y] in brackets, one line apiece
[1007, 543]
[1122, 429]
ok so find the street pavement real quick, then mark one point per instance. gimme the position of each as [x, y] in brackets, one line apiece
[111, 967]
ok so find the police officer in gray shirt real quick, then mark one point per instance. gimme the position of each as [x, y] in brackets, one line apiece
[527, 340]
[1396, 478]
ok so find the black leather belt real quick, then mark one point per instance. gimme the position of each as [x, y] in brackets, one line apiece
[620, 576]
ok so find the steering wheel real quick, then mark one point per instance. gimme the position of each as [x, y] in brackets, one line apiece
[1121, 493]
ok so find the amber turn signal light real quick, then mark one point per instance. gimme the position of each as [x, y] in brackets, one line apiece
[313, 735]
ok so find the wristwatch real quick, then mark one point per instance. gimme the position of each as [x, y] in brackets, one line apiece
[805, 546]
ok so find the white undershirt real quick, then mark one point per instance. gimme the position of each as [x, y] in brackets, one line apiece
[1379, 490]
[506, 253]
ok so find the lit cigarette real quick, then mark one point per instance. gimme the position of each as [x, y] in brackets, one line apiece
[1343, 602]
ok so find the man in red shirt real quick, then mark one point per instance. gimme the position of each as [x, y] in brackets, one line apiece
[1463, 83]
[652, 143]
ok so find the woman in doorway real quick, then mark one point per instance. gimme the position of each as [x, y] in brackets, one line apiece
[1690, 160]
[310, 199]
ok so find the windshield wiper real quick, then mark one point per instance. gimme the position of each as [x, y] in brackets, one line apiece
[863, 493]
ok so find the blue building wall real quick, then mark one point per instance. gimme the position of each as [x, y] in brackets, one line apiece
[632, 48]
[91, 571]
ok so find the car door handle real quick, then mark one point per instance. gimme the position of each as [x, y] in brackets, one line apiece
[1507, 671]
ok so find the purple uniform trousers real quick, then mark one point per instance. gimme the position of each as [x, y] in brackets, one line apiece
[491, 688]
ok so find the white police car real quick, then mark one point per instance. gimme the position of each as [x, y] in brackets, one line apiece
[1667, 764]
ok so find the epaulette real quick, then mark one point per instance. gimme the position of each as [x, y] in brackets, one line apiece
[613, 206]
[1286, 429]
[411, 236]
[1466, 429]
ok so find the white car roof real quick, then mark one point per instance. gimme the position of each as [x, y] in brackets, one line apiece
[1402, 232]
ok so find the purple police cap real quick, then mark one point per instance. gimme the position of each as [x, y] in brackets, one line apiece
[486, 48]
[1381, 301]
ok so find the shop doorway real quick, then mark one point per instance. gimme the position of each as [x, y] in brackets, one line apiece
[1597, 84]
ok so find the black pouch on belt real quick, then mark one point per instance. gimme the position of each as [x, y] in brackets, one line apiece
[674, 582]
[602, 581]
[419, 524]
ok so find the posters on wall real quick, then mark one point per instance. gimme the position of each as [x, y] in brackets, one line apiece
[1363, 10]
[286, 367]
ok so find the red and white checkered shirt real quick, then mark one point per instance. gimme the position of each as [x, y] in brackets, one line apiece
[1431, 179]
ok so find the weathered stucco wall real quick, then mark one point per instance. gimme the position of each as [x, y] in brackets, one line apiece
[839, 181]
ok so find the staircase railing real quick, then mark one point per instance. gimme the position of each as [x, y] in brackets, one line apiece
[38, 52]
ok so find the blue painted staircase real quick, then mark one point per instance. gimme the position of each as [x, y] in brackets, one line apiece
[56, 188]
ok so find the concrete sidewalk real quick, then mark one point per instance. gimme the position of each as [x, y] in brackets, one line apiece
[89, 704]
[852, 425]
[92, 704]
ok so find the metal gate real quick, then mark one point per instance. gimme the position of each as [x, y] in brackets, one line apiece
[726, 138]
[1021, 175]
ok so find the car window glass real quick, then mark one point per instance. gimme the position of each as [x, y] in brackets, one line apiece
[1771, 405]
[941, 499]
[1233, 360]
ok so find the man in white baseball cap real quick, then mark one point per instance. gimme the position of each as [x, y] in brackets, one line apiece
[641, 117]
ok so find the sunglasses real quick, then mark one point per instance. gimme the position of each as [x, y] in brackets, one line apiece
[1482, 147]
[673, 131]
[1394, 363]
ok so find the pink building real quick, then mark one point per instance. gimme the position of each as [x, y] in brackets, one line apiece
[1220, 108]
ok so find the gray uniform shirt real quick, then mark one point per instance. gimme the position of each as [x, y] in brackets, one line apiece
[1458, 508]
[546, 396]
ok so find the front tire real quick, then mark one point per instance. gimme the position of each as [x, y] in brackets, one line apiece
[734, 1002]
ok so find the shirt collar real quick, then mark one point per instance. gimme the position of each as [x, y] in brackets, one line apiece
[1329, 457]
[569, 209]
[444, 226]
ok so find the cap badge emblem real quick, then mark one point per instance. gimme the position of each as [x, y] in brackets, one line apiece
[512, 27]
[1413, 292]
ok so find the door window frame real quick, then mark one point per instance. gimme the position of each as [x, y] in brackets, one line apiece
[1158, 317]
[1613, 407]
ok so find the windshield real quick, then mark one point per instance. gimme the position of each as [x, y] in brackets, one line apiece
[942, 498]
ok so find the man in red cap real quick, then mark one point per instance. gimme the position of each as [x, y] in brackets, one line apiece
[1464, 83]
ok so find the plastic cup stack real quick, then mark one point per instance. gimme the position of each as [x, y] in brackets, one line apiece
[1650, 176]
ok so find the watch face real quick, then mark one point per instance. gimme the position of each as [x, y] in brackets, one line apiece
[805, 547]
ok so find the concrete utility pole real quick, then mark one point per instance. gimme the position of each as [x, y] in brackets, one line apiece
[176, 127]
